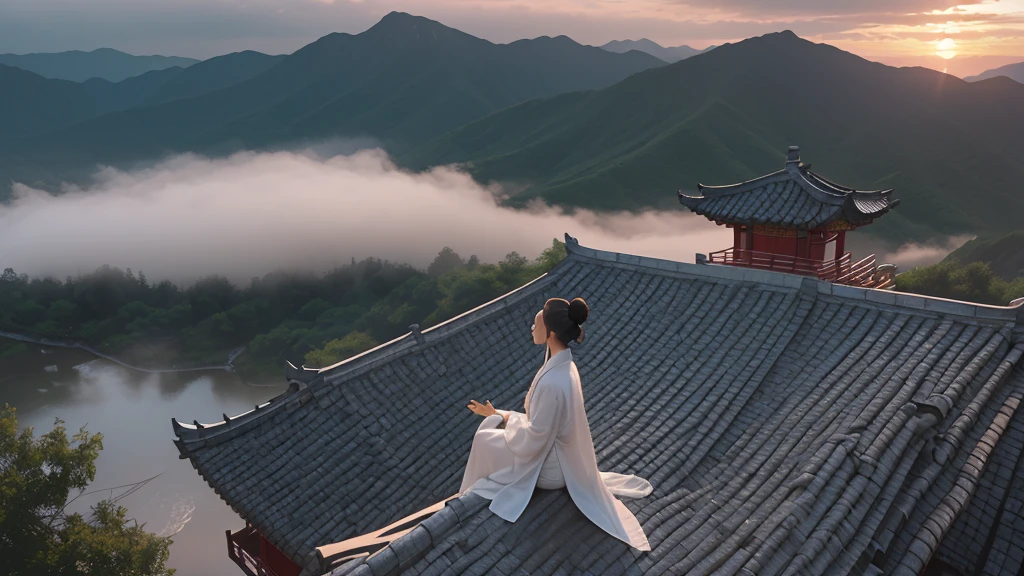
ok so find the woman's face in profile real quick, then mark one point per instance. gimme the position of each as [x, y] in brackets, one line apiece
[540, 333]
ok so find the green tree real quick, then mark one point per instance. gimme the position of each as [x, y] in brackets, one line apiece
[552, 256]
[111, 544]
[974, 282]
[61, 311]
[267, 353]
[446, 261]
[28, 313]
[37, 536]
[338, 349]
[313, 309]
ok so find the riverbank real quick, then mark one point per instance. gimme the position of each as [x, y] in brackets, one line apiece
[227, 366]
[133, 411]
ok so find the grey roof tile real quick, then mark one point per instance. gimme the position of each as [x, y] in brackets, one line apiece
[784, 431]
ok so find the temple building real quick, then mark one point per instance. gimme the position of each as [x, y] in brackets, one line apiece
[788, 424]
[796, 221]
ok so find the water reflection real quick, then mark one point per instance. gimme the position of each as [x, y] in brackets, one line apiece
[133, 410]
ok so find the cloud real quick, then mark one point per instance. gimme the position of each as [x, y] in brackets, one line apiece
[907, 256]
[913, 255]
[252, 213]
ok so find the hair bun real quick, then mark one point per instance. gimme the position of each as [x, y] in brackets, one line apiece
[578, 310]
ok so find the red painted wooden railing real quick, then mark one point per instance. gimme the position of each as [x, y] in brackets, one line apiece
[841, 270]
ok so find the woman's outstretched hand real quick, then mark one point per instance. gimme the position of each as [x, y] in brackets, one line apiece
[481, 409]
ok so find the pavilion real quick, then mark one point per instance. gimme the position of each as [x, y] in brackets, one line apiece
[794, 220]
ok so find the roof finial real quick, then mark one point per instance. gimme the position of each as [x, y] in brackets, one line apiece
[414, 329]
[794, 155]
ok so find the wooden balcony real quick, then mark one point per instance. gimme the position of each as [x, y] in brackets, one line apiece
[244, 550]
[257, 557]
[865, 272]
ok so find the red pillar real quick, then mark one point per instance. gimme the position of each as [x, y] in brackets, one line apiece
[803, 244]
[749, 231]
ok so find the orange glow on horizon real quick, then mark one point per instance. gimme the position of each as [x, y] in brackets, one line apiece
[946, 48]
[964, 39]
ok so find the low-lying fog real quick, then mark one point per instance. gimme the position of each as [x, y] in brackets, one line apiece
[252, 213]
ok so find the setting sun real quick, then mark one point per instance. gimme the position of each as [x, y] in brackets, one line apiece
[946, 48]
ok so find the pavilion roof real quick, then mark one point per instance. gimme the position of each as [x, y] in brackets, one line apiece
[786, 424]
[794, 197]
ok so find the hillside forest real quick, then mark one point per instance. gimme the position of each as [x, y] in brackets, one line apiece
[318, 320]
[303, 318]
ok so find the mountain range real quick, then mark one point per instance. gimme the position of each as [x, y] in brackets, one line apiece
[402, 82]
[668, 54]
[32, 104]
[949, 148]
[104, 63]
[1012, 71]
[577, 125]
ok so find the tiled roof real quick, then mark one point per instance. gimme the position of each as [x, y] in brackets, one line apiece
[793, 197]
[788, 425]
[988, 537]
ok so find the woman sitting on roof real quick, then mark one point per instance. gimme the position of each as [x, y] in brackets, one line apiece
[550, 446]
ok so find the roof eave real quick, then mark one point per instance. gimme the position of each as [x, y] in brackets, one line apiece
[855, 215]
[691, 202]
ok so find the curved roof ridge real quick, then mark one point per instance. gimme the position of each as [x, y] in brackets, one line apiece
[413, 545]
[904, 300]
[840, 187]
[727, 189]
[197, 431]
[820, 193]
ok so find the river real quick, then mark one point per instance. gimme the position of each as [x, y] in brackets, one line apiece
[133, 411]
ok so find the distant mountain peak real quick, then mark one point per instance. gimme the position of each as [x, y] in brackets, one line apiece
[402, 20]
[668, 54]
[411, 27]
[640, 42]
[1014, 72]
[398, 16]
[556, 40]
[79, 66]
[781, 40]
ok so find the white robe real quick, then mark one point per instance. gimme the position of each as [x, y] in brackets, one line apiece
[504, 464]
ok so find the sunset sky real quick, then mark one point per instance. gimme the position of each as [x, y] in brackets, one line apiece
[962, 39]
